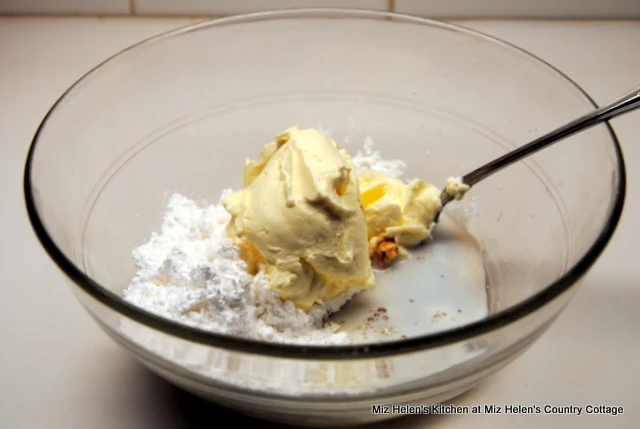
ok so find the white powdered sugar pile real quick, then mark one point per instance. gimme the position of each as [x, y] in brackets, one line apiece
[191, 272]
[368, 159]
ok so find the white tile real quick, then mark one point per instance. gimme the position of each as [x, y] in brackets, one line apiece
[230, 7]
[70, 7]
[520, 8]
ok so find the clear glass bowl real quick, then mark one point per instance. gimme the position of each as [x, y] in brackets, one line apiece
[181, 111]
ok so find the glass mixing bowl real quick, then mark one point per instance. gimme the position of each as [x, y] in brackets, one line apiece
[181, 111]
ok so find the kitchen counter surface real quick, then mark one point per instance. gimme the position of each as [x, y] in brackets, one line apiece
[59, 371]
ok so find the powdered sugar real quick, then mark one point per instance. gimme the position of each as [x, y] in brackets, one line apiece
[191, 273]
[368, 159]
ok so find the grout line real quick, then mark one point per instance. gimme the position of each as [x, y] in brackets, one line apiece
[137, 15]
[132, 7]
[391, 5]
[126, 16]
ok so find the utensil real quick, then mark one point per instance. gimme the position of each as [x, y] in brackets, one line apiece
[626, 103]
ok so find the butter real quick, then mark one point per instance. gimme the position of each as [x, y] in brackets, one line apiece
[396, 210]
[456, 188]
[299, 217]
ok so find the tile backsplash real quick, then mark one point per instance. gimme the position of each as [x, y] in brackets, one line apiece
[429, 8]
[521, 8]
[230, 7]
[65, 7]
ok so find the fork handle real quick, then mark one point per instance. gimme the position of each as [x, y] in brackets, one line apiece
[623, 104]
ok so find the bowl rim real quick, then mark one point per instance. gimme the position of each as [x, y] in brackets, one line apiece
[325, 352]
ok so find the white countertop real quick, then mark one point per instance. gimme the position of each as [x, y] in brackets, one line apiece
[59, 371]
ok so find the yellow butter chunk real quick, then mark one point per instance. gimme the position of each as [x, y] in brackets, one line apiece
[299, 217]
[456, 187]
[397, 210]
